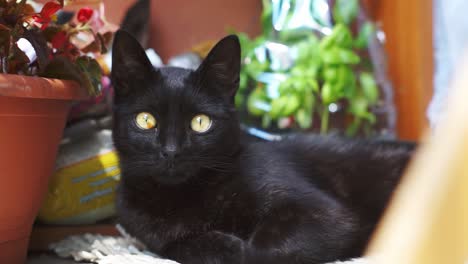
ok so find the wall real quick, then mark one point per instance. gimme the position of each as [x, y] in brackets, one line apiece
[408, 28]
[178, 25]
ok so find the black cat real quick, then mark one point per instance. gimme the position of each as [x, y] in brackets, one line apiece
[192, 191]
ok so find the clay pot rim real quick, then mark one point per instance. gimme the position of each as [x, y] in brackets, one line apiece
[13, 85]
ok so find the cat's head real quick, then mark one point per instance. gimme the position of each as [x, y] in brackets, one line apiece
[172, 123]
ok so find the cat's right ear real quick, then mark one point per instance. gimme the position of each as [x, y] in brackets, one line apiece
[130, 65]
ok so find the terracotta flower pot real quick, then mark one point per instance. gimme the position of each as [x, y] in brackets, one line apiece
[33, 113]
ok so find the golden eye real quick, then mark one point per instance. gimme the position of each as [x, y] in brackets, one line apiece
[145, 120]
[201, 123]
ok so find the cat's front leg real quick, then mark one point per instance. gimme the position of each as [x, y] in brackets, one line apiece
[210, 248]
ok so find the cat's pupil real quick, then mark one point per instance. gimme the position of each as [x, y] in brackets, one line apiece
[145, 121]
[200, 123]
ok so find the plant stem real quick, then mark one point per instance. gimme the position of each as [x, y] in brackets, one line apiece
[354, 127]
[324, 121]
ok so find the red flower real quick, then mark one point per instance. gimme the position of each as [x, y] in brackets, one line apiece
[45, 16]
[59, 39]
[85, 14]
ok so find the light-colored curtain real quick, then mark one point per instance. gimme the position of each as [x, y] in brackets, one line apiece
[451, 43]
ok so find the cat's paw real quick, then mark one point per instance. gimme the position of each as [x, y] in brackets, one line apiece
[210, 248]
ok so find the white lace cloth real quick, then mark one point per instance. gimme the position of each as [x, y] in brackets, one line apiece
[123, 250]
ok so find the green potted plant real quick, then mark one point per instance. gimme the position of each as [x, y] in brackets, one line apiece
[36, 48]
[317, 66]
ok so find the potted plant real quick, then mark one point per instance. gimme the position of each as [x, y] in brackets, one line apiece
[317, 66]
[33, 109]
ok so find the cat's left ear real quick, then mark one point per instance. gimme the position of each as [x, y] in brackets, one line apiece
[220, 71]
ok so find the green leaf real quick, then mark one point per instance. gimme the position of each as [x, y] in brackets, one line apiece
[309, 102]
[307, 50]
[284, 106]
[304, 71]
[287, 86]
[371, 118]
[266, 121]
[258, 103]
[341, 37]
[369, 87]
[328, 96]
[266, 17]
[298, 84]
[85, 71]
[239, 99]
[254, 68]
[303, 118]
[62, 68]
[359, 106]
[308, 107]
[243, 81]
[351, 83]
[345, 11]
[362, 40]
[338, 55]
[346, 81]
[245, 43]
[327, 42]
[330, 74]
[353, 127]
[312, 85]
[92, 74]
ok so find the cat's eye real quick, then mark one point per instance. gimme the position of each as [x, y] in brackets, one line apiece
[201, 123]
[145, 121]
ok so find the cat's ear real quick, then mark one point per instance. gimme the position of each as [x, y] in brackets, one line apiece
[130, 65]
[219, 72]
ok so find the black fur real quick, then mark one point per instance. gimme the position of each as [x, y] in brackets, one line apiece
[306, 199]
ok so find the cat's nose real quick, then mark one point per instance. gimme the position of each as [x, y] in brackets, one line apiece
[169, 153]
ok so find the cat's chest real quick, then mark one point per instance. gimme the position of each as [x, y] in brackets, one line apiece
[166, 217]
